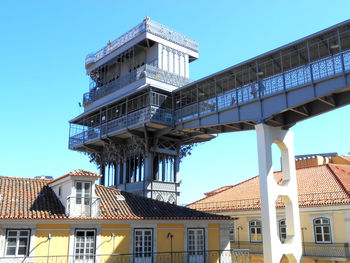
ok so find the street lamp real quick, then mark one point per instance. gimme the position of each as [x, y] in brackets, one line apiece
[239, 228]
[302, 243]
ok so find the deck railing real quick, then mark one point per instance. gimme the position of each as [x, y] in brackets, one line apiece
[147, 25]
[148, 71]
[312, 199]
[212, 256]
[334, 250]
[82, 134]
[305, 75]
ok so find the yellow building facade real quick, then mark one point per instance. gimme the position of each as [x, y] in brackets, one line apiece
[101, 225]
[324, 203]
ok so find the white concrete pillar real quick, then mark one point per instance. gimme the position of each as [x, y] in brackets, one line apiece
[225, 247]
[270, 191]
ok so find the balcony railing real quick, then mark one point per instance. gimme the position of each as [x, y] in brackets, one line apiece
[305, 200]
[334, 250]
[304, 75]
[148, 71]
[212, 256]
[146, 26]
[82, 134]
[83, 206]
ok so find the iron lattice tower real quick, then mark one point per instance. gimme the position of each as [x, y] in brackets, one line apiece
[127, 127]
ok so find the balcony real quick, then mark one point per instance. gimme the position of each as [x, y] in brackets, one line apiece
[223, 256]
[83, 206]
[146, 26]
[148, 71]
[334, 250]
[82, 134]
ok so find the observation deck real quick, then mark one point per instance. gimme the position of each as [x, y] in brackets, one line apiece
[281, 87]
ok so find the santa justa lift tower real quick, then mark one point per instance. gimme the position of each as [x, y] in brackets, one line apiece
[127, 127]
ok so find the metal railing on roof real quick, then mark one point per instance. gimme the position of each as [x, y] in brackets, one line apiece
[145, 26]
[333, 250]
[305, 200]
[83, 134]
[148, 71]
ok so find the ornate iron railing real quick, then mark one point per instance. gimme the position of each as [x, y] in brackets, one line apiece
[146, 26]
[81, 134]
[148, 71]
[212, 256]
[305, 200]
[334, 250]
[292, 79]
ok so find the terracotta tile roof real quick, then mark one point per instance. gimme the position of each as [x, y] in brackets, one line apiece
[77, 173]
[27, 198]
[317, 186]
[136, 207]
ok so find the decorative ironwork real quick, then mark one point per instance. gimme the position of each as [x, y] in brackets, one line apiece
[224, 256]
[146, 26]
[148, 71]
[334, 250]
[82, 134]
[288, 80]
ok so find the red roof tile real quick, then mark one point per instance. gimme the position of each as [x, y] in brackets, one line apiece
[317, 186]
[77, 173]
[27, 198]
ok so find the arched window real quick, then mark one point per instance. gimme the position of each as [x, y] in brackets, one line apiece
[322, 230]
[282, 229]
[255, 234]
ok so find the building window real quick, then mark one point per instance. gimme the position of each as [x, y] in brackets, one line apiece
[196, 244]
[232, 233]
[59, 191]
[322, 230]
[282, 230]
[143, 244]
[84, 245]
[17, 242]
[255, 231]
[83, 193]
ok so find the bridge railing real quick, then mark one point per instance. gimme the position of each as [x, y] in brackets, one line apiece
[305, 75]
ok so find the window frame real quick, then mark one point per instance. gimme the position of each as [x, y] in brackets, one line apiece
[152, 241]
[322, 225]
[204, 240]
[74, 244]
[230, 234]
[83, 196]
[17, 242]
[279, 229]
[256, 227]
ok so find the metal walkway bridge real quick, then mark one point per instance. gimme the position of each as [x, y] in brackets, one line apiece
[297, 81]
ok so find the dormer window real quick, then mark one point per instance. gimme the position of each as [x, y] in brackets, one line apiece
[83, 193]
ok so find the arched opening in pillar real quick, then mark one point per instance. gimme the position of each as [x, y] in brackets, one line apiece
[277, 162]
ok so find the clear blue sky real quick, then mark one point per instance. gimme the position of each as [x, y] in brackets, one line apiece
[44, 43]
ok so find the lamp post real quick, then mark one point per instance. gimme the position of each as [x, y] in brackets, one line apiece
[48, 247]
[171, 246]
[302, 234]
[239, 228]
